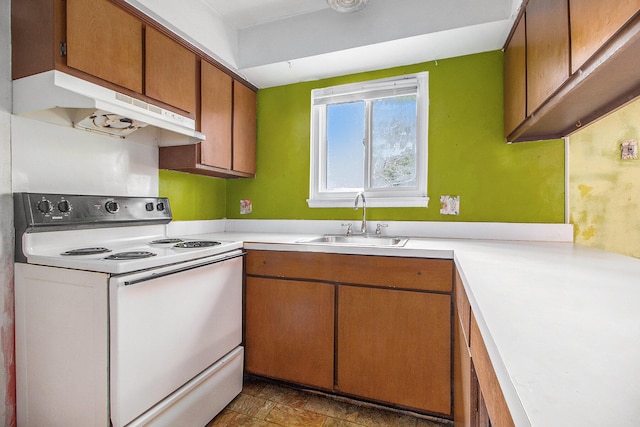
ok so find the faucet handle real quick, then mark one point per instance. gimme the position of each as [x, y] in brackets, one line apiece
[349, 228]
[379, 228]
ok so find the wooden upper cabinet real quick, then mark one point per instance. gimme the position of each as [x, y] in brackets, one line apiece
[170, 71]
[581, 63]
[593, 22]
[228, 119]
[98, 47]
[547, 32]
[515, 79]
[244, 128]
[216, 97]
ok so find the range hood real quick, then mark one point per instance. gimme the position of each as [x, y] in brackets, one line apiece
[59, 98]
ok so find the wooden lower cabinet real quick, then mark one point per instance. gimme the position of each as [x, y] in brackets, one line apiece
[289, 330]
[489, 389]
[478, 398]
[465, 383]
[372, 327]
[395, 346]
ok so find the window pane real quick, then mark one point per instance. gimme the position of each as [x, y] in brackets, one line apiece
[393, 145]
[345, 148]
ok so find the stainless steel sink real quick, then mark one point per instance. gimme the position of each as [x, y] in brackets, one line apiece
[357, 240]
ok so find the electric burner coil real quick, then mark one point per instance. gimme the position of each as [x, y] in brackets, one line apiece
[120, 256]
[196, 244]
[85, 251]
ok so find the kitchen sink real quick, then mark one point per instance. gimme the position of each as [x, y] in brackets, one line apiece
[357, 240]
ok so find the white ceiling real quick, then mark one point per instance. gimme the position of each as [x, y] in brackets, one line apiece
[277, 42]
[242, 14]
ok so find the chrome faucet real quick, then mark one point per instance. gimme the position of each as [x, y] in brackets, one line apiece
[363, 228]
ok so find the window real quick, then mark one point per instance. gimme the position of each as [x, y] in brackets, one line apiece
[371, 137]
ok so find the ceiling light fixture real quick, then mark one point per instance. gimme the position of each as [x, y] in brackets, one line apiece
[347, 6]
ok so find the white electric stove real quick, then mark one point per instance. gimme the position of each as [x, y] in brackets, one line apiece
[117, 323]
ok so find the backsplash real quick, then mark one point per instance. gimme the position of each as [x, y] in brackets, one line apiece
[56, 159]
[193, 197]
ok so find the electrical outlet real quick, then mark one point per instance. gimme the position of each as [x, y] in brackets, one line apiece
[449, 205]
[246, 207]
[629, 149]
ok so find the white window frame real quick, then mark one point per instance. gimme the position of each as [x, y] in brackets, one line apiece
[319, 196]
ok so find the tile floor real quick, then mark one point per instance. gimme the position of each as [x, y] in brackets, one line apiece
[267, 404]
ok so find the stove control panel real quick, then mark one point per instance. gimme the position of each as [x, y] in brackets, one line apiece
[44, 211]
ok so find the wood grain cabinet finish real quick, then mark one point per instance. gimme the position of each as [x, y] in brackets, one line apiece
[395, 346]
[465, 390]
[98, 47]
[489, 387]
[393, 272]
[78, 37]
[244, 129]
[170, 72]
[228, 119]
[216, 108]
[478, 398]
[290, 330]
[515, 79]
[582, 58]
[392, 325]
[593, 22]
[547, 38]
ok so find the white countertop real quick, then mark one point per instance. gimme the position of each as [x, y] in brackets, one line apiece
[561, 322]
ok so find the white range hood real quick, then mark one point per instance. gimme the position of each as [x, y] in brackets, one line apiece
[59, 98]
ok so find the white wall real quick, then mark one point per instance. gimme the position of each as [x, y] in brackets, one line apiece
[7, 373]
[196, 22]
[57, 159]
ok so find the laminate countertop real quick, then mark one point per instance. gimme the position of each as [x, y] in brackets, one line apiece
[561, 322]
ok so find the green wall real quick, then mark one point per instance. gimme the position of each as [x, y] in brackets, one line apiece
[193, 197]
[467, 153]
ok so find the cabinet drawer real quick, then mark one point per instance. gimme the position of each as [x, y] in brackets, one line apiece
[391, 272]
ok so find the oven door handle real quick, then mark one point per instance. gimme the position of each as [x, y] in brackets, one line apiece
[178, 269]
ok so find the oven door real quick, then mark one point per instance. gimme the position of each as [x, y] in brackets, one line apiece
[167, 325]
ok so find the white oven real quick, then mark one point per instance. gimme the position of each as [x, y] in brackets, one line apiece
[124, 342]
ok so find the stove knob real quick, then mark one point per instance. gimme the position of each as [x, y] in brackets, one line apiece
[45, 206]
[160, 206]
[149, 207]
[64, 206]
[112, 206]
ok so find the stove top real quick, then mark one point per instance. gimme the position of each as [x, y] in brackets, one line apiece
[118, 250]
[103, 234]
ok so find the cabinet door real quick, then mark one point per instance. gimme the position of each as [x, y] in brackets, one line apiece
[215, 115]
[490, 394]
[170, 71]
[289, 330]
[465, 391]
[515, 80]
[105, 41]
[395, 346]
[244, 128]
[465, 384]
[593, 22]
[547, 32]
